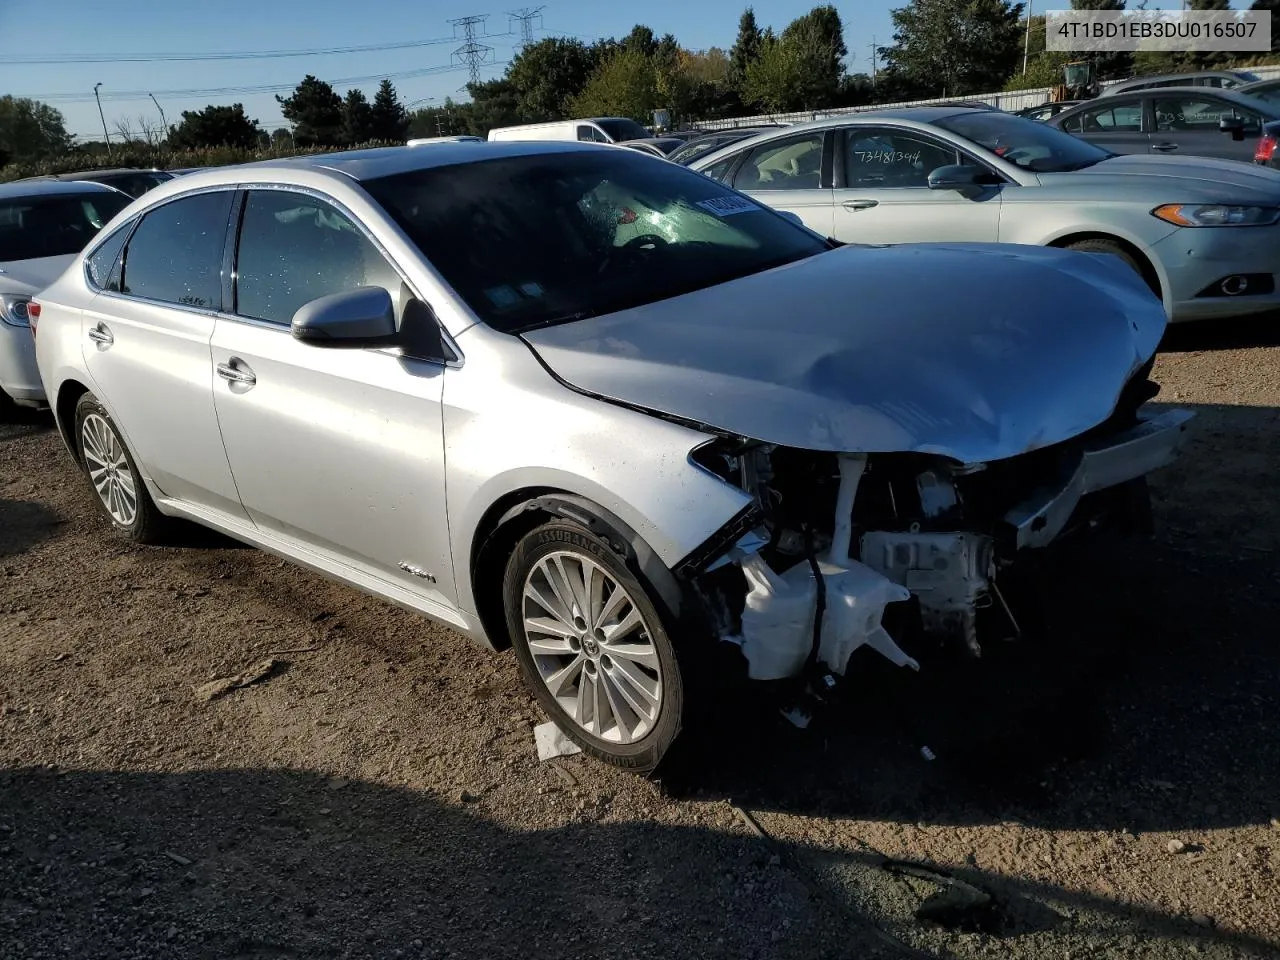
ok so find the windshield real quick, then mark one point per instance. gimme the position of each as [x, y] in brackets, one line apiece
[1023, 142]
[134, 184]
[535, 240]
[619, 129]
[54, 225]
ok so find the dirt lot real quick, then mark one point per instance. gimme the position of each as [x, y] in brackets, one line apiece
[1113, 782]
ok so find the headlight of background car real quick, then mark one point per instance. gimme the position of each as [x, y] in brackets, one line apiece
[13, 311]
[1216, 215]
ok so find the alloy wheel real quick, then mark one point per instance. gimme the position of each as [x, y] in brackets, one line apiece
[592, 647]
[109, 470]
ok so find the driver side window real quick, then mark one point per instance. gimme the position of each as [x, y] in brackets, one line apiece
[295, 248]
[889, 158]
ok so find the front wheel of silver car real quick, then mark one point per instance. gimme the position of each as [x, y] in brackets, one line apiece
[593, 646]
[117, 485]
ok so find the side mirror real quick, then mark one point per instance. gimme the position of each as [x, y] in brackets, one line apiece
[364, 317]
[1233, 126]
[956, 176]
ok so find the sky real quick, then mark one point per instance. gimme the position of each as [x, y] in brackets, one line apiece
[423, 75]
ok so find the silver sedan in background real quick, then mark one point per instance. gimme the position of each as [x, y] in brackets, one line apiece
[590, 404]
[1203, 234]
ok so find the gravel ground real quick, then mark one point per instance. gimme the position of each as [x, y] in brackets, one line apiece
[1112, 781]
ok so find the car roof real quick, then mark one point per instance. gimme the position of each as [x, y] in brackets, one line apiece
[1235, 74]
[39, 187]
[924, 114]
[1233, 96]
[375, 162]
[104, 172]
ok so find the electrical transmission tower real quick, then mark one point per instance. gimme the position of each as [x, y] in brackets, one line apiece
[473, 53]
[525, 17]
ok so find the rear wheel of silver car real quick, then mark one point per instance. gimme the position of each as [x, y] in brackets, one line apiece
[593, 646]
[8, 409]
[117, 485]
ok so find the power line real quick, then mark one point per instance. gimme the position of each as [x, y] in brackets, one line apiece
[120, 95]
[228, 55]
[472, 53]
[525, 18]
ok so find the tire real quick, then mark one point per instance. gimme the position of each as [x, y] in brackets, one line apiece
[1114, 249]
[8, 409]
[646, 680]
[102, 451]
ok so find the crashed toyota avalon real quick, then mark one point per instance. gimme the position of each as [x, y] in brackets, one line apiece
[603, 410]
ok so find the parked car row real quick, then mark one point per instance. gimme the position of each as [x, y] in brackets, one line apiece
[931, 174]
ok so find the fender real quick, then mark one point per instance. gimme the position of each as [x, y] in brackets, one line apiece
[610, 528]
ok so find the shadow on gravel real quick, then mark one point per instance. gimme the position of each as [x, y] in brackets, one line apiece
[238, 864]
[1142, 697]
[1222, 335]
[25, 524]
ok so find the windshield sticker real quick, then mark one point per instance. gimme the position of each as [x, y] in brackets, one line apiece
[886, 156]
[728, 206]
[531, 290]
[503, 296]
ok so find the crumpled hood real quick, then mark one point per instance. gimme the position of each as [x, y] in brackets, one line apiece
[973, 351]
[29, 277]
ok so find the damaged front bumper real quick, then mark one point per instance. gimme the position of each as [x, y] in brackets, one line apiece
[796, 601]
[1106, 462]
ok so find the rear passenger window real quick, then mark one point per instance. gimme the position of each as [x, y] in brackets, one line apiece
[1126, 118]
[104, 263]
[794, 164]
[175, 255]
[295, 248]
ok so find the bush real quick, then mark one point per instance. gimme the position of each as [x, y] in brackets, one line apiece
[140, 155]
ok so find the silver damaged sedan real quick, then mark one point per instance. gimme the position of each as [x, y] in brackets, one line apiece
[601, 409]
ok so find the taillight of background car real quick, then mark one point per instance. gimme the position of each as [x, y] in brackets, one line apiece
[1266, 149]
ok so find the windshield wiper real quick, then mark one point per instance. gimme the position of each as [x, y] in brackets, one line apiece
[553, 321]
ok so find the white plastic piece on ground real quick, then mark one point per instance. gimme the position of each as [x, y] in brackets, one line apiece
[552, 742]
[777, 621]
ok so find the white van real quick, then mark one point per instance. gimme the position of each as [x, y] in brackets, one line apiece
[594, 129]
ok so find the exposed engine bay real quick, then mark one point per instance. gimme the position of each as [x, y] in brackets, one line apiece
[846, 539]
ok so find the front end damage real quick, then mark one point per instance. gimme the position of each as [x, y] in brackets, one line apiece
[836, 543]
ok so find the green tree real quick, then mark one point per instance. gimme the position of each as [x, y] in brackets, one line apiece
[641, 40]
[494, 103]
[1270, 6]
[31, 130]
[625, 85]
[316, 112]
[281, 138]
[215, 126]
[956, 47]
[388, 119]
[801, 69]
[746, 49]
[357, 118]
[548, 74]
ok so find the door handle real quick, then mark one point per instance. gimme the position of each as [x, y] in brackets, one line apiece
[101, 335]
[859, 204]
[1164, 147]
[237, 374]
